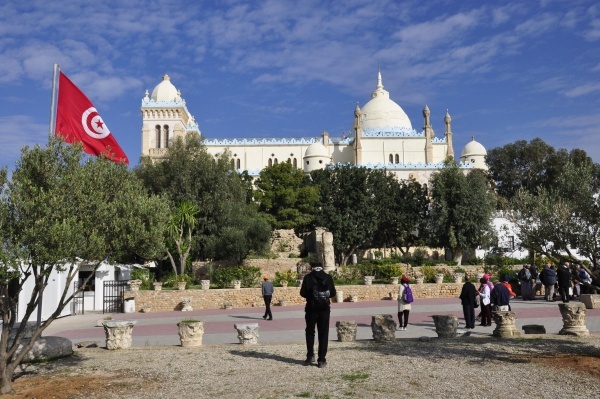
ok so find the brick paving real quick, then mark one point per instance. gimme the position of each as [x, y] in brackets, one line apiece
[160, 328]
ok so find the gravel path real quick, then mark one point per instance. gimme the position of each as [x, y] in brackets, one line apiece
[458, 368]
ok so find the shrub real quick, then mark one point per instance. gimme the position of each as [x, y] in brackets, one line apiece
[144, 276]
[419, 256]
[429, 273]
[505, 271]
[349, 274]
[222, 277]
[289, 275]
[170, 280]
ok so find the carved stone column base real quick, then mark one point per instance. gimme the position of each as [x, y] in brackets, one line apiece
[346, 330]
[247, 333]
[118, 333]
[445, 325]
[573, 315]
[383, 327]
[505, 325]
[190, 333]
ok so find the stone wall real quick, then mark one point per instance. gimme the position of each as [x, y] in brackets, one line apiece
[168, 300]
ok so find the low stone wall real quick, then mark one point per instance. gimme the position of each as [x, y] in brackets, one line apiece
[168, 300]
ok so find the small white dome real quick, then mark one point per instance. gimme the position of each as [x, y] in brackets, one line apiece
[315, 157]
[473, 148]
[165, 91]
[382, 112]
[316, 149]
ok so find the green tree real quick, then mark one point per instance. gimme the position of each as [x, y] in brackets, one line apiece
[562, 222]
[403, 210]
[180, 229]
[348, 207]
[59, 209]
[190, 173]
[286, 196]
[532, 166]
[461, 210]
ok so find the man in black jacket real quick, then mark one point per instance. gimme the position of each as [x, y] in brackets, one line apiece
[564, 281]
[467, 299]
[500, 297]
[317, 288]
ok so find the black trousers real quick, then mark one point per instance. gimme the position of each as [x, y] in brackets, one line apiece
[469, 313]
[321, 320]
[267, 299]
[564, 294]
[405, 312]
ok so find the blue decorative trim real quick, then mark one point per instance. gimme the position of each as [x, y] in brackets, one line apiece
[438, 140]
[260, 141]
[410, 165]
[154, 103]
[392, 131]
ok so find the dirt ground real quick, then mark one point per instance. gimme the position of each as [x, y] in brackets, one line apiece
[64, 386]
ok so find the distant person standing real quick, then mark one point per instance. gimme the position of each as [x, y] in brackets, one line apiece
[486, 306]
[267, 293]
[500, 297]
[524, 277]
[548, 279]
[584, 277]
[405, 298]
[317, 288]
[563, 275]
[468, 296]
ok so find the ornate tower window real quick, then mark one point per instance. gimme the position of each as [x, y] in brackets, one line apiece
[158, 136]
[166, 130]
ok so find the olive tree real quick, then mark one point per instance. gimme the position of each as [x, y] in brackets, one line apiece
[461, 209]
[59, 210]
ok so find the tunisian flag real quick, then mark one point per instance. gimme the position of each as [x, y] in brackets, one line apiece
[78, 120]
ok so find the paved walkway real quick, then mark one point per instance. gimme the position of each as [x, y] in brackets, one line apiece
[288, 325]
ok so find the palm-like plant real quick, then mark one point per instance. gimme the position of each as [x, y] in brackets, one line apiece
[180, 229]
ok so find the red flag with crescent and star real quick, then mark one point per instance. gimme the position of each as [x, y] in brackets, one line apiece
[78, 120]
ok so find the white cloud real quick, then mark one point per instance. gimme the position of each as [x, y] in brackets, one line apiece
[17, 131]
[583, 89]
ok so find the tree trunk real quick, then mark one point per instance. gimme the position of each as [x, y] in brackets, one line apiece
[457, 255]
[5, 378]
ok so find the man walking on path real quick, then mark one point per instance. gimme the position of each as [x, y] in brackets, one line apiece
[468, 296]
[317, 288]
[267, 293]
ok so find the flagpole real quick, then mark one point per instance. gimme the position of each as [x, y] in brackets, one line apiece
[53, 100]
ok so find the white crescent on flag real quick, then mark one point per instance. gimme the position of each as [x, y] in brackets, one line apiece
[93, 124]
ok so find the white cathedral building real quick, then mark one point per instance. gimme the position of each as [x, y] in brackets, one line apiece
[382, 137]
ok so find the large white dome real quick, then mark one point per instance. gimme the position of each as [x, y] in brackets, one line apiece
[316, 149]
[382, 112]
[473, 148]
[165, 91]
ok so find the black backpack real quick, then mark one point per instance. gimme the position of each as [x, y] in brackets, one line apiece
[320, 294]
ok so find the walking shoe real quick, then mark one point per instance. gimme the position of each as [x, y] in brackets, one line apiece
[322, 364]
[309, 360]
[265, 317]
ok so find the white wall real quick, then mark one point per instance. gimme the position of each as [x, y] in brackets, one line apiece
[52, 295]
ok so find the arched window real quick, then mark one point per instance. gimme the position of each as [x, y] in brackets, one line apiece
[232, 163]
[391, 158]
[397, 159]
[270, 162]
[238, 163]
[158, 136]
[295, 163]
[275, 162]
[166, 130]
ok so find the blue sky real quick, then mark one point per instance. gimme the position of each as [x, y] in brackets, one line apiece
[505, 70]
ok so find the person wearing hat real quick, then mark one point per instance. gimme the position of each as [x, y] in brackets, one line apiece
[525, 280]
[317, 288]
[267, 293]
[403, 304]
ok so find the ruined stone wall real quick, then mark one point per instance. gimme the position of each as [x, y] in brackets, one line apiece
[168, 300]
